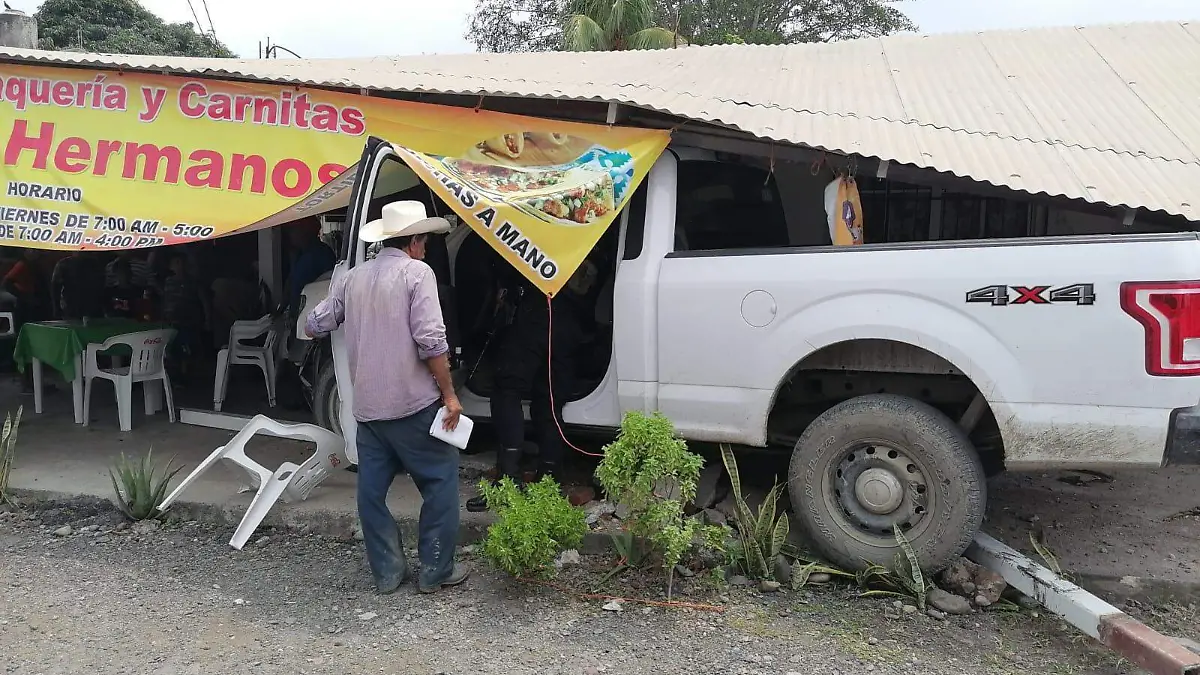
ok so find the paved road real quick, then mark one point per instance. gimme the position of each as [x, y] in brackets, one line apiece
[177, 600]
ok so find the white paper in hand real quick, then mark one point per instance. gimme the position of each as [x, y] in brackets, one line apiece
[461, 434]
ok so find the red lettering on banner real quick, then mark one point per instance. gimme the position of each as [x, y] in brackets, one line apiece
[152, 157]
[279, 178]
[328, 172]
[68, 154]
[237, 173]
[208, 170]
[19, 141]
[302, 109]
[353, 122]
[190, 109]
[104, 152]
[266, 111]
[63, 93]
[220, 107]
[242, 104]
[325, 117]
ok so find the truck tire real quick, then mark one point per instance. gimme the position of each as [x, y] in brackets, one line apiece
[881, 460]
[327, 404]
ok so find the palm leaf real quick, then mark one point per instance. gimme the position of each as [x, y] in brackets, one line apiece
[582, 34]
[654, 38]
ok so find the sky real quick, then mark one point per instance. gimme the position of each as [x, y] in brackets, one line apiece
[356, 28]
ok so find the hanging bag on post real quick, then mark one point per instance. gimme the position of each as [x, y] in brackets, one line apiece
[843, 210]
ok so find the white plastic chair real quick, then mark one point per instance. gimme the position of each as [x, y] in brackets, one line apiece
[290, 482]
[238, 353]
[8, 325]
[145, 366]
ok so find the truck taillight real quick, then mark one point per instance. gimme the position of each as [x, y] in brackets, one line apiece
[1170, 313]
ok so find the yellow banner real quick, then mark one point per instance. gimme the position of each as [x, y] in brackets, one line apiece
[102, 160]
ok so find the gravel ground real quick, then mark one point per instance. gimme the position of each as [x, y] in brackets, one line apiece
[176, 599]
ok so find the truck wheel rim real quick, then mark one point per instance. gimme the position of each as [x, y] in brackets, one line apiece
[877, 487]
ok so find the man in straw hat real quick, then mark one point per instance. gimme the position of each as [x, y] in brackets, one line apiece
[400, 371]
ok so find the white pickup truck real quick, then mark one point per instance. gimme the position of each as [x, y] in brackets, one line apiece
[896, 372]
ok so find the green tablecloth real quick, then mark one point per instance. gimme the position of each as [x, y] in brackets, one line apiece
[58, 343]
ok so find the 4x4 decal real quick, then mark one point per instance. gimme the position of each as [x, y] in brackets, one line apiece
[1000, 295]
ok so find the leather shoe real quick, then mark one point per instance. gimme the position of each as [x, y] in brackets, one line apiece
[458, 575]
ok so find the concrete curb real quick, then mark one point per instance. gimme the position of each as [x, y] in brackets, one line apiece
[1118, 631]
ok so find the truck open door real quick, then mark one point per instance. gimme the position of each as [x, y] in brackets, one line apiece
[354, 252]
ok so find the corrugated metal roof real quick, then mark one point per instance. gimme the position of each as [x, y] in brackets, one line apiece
[1107, 114]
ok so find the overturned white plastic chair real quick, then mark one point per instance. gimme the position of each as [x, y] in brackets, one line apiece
[8, 325]
[145, 366]
[239, 353]
[290, 482]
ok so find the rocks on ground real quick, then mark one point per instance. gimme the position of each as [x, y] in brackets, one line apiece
[971, 581]
[568, 557]
[948, 602]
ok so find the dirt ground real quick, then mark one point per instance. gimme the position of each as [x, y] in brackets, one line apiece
[1139, 524]
[177, 599]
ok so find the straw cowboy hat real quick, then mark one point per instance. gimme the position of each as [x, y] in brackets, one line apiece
[402, 219]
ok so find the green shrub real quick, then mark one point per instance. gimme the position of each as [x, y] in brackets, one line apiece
[532, 526]
[139, 487]
[8, 450]
[650, 470]
[760, 536]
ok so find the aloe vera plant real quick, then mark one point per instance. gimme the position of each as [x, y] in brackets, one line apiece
[761, 536]
[8, 450]
[140, 487]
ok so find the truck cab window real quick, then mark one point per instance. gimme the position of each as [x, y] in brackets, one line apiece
[723, 205]
[635, 230]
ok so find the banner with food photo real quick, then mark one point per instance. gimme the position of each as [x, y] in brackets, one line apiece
[107, 160]
[542, 198]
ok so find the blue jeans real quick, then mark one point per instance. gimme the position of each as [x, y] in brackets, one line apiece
[386, 448]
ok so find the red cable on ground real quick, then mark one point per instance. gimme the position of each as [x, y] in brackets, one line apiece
[550, 380]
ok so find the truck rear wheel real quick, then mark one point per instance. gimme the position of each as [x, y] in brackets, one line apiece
[327, 404]
[879, 461]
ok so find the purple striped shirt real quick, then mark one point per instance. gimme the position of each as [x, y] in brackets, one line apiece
[393, 321]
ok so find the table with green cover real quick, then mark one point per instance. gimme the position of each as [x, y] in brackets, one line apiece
[61, 344]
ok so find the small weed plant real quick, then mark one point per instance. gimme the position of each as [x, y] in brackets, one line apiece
[650, 470]
[140, 487]
[904, 580]
[8, 450]
[532, 527]
[761, 535]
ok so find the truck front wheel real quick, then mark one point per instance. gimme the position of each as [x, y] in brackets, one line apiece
[877, 462]
[327, 404]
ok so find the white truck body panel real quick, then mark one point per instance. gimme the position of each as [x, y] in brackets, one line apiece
[709, 337]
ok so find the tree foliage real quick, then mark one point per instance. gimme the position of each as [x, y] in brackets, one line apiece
[614, 25]
[547, 25]
[119, 27]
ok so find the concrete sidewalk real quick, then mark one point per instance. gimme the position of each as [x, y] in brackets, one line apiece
[58, 458]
